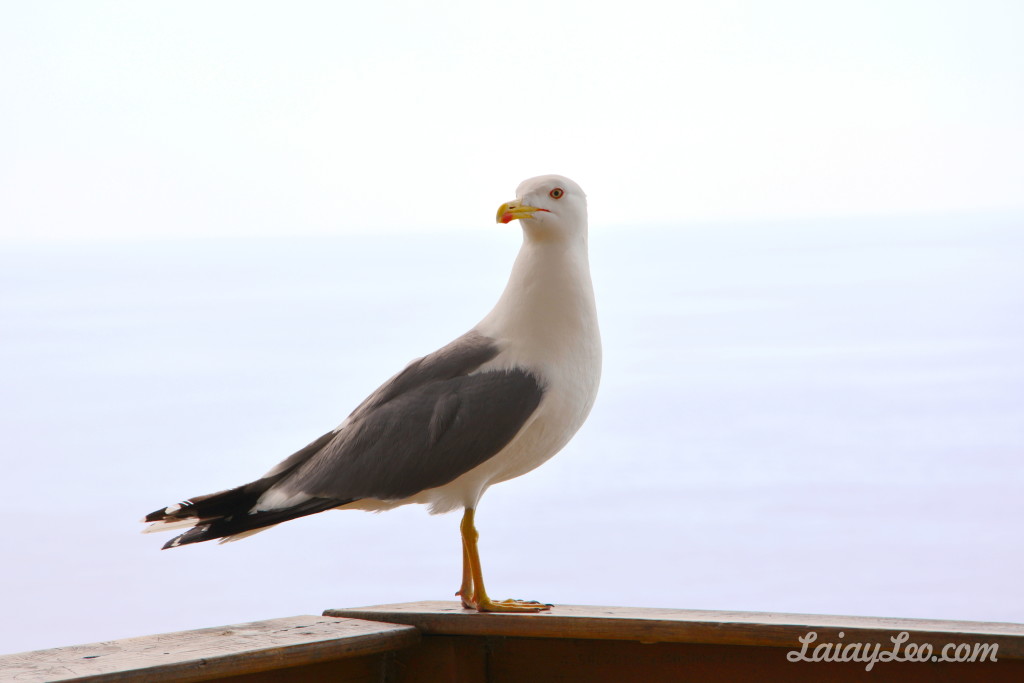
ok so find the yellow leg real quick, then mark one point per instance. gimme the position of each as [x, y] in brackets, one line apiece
[466, 591]
[474, 596]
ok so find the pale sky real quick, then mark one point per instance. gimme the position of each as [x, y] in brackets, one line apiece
[128, 119]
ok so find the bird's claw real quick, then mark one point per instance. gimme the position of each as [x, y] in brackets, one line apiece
[488, 605]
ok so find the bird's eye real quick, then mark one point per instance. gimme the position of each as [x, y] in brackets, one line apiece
[556, 193]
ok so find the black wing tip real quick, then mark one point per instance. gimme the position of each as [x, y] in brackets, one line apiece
[155, 516]
[178, 511]
[196, 534]
[233, 525]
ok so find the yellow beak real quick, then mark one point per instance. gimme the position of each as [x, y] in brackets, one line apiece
[510, 211]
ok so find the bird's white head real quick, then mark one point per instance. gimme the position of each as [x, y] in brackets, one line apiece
[551, 207]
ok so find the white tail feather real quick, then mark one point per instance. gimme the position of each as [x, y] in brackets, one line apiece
[156, 527]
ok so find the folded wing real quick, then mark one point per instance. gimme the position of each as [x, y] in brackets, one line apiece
[437, 419]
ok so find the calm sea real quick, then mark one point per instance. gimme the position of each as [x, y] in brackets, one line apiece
[819, 416]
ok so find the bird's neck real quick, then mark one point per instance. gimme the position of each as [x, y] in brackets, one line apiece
[548, 304]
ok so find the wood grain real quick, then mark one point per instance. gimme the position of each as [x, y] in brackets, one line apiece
[650, 625]
[551, 660]
[430, 641]
[210, 653]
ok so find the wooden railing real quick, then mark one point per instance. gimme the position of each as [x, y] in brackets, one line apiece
[439, 641]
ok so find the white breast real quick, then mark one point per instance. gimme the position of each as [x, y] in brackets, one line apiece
[545, 322]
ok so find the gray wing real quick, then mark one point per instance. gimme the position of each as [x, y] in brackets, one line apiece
[426, 426]
[423, 428]
[460, 357]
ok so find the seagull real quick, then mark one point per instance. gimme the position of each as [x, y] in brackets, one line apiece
[490, 406]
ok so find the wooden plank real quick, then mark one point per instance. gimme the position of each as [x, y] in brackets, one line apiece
[651, 625]
[556, 660]
[451, 659]
[501, 659]
[210, 653]
[362, 669]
